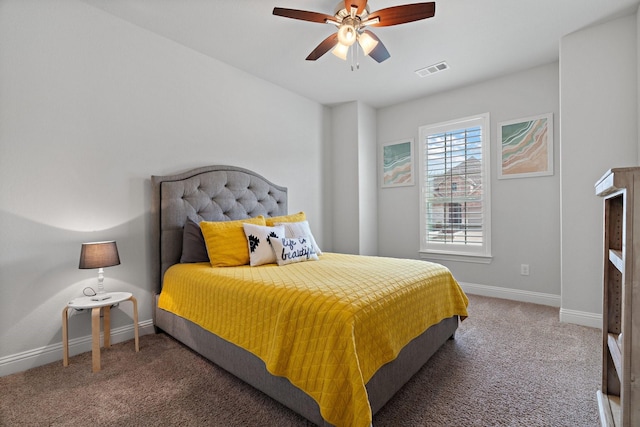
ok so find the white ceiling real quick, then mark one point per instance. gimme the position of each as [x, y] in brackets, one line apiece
[479, 39]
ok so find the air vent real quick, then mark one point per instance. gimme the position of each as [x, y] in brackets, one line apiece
[431, 69]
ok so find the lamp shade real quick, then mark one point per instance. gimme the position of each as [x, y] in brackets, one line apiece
[99, 255]
[347, 34]
[341, 51]
[367, 43]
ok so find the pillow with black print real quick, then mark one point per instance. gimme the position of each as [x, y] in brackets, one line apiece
[258, 237]
[296, 249]
[300, 229]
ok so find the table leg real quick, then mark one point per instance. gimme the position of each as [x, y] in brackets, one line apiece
[135, 322]
[95, 332]
[106, 326]
[65, 337]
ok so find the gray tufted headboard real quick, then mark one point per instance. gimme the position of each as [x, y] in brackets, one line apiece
[210, 193]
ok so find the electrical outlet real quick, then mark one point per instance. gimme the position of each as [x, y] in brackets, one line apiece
[524, 269]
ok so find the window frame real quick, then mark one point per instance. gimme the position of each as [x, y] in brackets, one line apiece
[451, 251]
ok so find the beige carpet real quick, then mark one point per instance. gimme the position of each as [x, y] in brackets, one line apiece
[511, 364]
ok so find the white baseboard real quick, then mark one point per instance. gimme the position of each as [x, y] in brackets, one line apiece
[53, 353]
[592, 320]
[512, 294]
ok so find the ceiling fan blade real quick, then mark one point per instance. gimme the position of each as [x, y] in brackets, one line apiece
[302, 15]
[402, 14]
[325, 46]
[360, 4]
[379, 53]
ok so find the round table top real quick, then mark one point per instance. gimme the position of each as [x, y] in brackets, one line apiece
[88, 302]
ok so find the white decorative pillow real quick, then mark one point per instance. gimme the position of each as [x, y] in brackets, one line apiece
[300, 229]
[258, 237]
[296, 249]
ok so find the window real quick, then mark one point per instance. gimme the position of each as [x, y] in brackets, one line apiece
[455, 195]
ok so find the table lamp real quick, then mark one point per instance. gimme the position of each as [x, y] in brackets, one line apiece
[99, 255]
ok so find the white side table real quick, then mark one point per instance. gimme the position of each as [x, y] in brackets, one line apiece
[96, 306]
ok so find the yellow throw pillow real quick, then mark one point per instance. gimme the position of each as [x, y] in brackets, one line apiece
[226, 241]
[300, 216]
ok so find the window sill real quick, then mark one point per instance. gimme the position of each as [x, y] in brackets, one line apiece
[473, 258]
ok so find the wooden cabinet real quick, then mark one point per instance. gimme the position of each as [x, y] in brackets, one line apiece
[619, 397]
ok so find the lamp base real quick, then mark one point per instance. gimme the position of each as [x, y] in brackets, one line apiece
[100, 297]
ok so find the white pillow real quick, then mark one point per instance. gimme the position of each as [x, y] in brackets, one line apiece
[296, 249]
[258, 237]
[300, 229]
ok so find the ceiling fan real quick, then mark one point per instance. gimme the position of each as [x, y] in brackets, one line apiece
[352, 17]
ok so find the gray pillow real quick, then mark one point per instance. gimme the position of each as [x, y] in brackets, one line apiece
[193, 246]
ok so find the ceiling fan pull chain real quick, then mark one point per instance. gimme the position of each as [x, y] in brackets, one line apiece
[354, 58]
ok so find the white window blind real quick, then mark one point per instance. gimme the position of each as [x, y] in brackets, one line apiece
[455, 192]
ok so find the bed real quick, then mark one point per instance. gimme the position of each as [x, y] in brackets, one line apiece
[377, 349]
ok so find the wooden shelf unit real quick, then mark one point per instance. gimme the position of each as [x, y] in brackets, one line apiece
[619, 397]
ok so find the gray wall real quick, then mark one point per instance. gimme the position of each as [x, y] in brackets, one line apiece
[525, 211]
[343, 169]
[91, 107]
[352, 172]
[598, 69]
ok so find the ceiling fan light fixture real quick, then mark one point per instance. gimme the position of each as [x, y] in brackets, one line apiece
[341, 51]
[367, 43]
[347, 34]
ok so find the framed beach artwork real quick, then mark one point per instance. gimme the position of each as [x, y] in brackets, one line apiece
[397, 163]
[526, 147]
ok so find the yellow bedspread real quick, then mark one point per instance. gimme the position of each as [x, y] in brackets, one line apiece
[326, 325]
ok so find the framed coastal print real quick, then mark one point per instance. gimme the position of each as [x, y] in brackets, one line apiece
[397, 163]
[526, 147]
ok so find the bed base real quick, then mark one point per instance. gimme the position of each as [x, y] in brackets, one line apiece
[249, 368]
